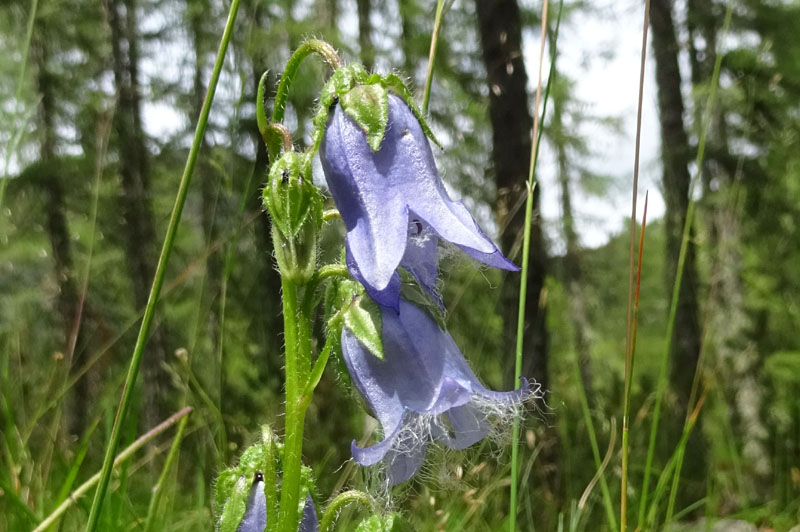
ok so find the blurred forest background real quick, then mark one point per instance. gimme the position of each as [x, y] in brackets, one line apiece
[89, 181]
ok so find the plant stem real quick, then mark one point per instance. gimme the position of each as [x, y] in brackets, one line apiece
[630, 341]
[523, 288]
[152, 510]
[343, 499]
[311, 46]
[437, 27]
[293, 448]
[163, 260]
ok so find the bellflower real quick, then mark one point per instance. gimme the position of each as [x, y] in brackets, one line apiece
[255, 516]
[379, 192]
[422, 390]
[420, 259]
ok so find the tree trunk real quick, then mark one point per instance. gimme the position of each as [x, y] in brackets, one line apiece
[68, 298]
[572, 259]
[197, 11]
[365, 33]
[57, 227]
[676, 180]
[729, 320]
[500, 32]
[407, 10]
[499, 25]
[138, 229]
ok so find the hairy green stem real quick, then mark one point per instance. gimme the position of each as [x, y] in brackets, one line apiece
[342, 500]
[530, 184]
[163, 260]
[311, 46]
[673, 310]
[296, 365]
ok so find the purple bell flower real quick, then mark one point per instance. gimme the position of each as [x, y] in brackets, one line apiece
[379, 193]
[422, 390]
[420, 259]
[255, 515]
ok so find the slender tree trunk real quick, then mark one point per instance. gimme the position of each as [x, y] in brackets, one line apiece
[197, 11]
[138, 230]
[365, 33]
[676, 180]
[727, 316]
[500, 32]
[57, 227]
[500, 25]
[407, 10]
[572, 258]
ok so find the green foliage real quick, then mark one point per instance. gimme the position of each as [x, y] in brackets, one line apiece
[219, 314]
[368, 106]
[363, 317]
[383, 523]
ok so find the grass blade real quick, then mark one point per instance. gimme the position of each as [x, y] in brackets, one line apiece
[523, 288]
[122, 457]
[673, 311]
[141, 340]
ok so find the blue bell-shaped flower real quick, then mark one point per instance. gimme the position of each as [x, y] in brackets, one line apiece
[422, 390]
[378, 194]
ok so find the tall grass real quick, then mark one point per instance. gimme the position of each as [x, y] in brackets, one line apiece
[163, 260]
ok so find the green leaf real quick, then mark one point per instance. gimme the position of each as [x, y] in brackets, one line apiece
[368, 106]
[235, 506]
[363, 318]
[384, 523]
[394, 82]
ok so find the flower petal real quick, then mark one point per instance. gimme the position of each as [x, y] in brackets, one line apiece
[404, 462]
[309, 522]
[469, 426]
[425, 193]
[255, 515]
[386, 297]
[374, 212]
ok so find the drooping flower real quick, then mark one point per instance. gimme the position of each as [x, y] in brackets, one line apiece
[255, 516]
[420, 259]
[422, 390]
[379, 192]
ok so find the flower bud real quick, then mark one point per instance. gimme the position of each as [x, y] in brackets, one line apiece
[295, 207]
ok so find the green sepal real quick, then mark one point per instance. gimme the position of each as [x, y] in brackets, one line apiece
[363, 318]
[411, 291]
[359, 313]
[384, 523]
[368, 106]
[350, 77]
[235, 506]
[223, 488]
[395, 83]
